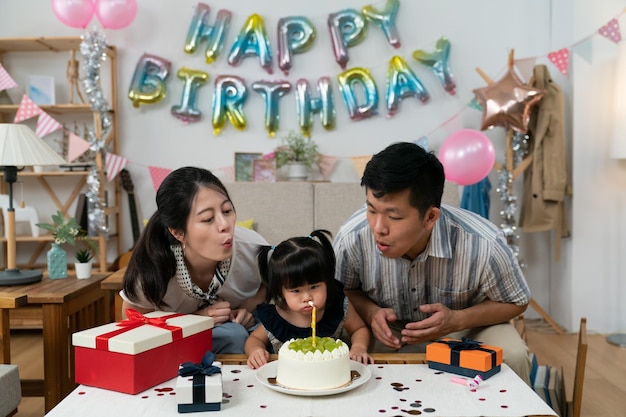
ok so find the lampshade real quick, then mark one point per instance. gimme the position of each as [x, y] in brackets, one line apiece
[20, 146]
[618, 132]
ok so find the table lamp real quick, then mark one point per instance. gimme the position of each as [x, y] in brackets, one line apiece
[19, 147]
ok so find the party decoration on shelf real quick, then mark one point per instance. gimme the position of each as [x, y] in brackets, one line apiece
[74, 13]
[116, 14]
[200, 30]
[306, 105]
[148, 83]
[401, 83]
[347, 28]
[6, 81]
[386, 20]
[92, 48]
[439, 62]
[359, 78]
[467, 156]
[508, 101]
[252, 41]
[192, 81]
[271, 92]
[229, 95]
[296, 34]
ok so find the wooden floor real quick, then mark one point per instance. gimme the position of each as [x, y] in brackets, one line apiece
[605, 378]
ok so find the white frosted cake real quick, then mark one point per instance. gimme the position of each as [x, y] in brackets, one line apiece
[301, 366]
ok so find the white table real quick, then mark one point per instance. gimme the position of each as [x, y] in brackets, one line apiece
[504, 394]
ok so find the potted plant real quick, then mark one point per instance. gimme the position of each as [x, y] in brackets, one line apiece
[299, 152]
[64, 230]
[83, 262]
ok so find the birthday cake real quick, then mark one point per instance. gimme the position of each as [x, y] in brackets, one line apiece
[302, 366]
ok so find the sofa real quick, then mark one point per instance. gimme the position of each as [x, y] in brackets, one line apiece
[282, 210]
[10, 390]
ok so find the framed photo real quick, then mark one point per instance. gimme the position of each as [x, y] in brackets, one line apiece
[243, 165]
[41, 89]
[264, 170]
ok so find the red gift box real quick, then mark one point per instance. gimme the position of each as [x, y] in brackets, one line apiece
[464, 357]
[138, 353]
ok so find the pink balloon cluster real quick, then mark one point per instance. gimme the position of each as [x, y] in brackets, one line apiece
[113, 14]
[467, 156]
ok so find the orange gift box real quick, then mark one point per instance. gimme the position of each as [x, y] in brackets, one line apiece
[464, 357]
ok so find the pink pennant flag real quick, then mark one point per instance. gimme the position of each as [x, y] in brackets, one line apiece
[525, 67]
[26, 110]
[560, 59]
[46, 125]
[611, 31]
[76, 147]
[326, 164]
[114, 164]
[6, 81]
[359, 163]
[229, 172]
[158, 175]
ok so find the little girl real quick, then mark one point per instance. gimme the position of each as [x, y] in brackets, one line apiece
[297, 272]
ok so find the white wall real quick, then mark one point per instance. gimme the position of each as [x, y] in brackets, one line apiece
[586, 281]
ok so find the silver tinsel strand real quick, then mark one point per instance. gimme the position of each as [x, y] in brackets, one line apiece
[92, 49]
[519, 146]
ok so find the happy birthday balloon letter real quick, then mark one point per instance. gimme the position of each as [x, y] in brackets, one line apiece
[307, 105]
[192, 81]
[386, 20]
[359, 79]
[347, 28]
[148, 83]
[200, 30]
[229, 95]
[402, 83]
[295, 35]
[438, 61]
[507, 102]
[271, 92]
[252, 41]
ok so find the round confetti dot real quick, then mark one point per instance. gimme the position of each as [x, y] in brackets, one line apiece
[429, 410]
[416, 405]
[379, 377]
[263, 406]
[382, 411]
[414, 412]
[172, 393]
[236, 379]
[82, 393]
[144, 397]
[482, 399]
[504, 406]
[225, 401]
[250, 386]
[396, 384]
[236, 371]
[418, 380]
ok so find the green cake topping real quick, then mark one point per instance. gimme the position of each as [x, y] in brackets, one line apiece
[322, 344]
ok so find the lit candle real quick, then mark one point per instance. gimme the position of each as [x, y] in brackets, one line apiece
[313, 320]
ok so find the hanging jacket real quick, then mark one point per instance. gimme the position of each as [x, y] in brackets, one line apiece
[545, 179]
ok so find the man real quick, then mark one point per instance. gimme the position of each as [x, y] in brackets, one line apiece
[417, 271]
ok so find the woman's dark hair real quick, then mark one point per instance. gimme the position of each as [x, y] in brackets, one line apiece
[295, 262]
[152, 261]
[405, 165]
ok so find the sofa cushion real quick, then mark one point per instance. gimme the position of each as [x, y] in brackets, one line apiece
[10, 389]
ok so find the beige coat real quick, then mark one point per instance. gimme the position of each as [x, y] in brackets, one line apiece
[545, 179]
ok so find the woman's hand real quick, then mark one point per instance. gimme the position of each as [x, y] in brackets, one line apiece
[258, 358]
[220, 312]
[243, 317]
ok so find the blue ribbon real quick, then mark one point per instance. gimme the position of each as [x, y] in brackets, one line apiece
[456, 346]
[206, 367]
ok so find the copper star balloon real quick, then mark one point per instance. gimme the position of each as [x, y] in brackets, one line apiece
[507, 102]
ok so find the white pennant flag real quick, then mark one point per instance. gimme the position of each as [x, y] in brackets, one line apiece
[46, 125]
[114, 164]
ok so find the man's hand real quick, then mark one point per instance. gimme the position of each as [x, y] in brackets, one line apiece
[440, 323]
[380, 328]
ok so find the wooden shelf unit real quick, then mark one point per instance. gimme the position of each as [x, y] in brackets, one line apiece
[71, 45]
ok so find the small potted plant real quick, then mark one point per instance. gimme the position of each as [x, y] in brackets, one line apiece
[64, 230]
[300, 153]
[83, 262]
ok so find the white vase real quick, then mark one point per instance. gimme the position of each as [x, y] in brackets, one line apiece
[297, 171]
[83, 270]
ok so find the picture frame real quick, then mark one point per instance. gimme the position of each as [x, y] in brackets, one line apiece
[264, 170]
[243, 165]
[41, 89]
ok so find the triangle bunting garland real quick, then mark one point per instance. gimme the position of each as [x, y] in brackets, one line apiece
[158, 175]
[114, 164]
[46, 125]
[6, 81]
[326, 164]
[26, 110]
[76, 147]
[611, 31]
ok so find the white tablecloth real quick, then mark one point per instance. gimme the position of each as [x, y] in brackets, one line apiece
[392, 390]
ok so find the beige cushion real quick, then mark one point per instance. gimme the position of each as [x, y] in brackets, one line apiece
[10, 389]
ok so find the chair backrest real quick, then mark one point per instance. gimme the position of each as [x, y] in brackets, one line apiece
[579, 373]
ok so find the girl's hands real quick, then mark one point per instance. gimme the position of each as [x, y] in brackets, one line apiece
[258, 358]
[360, 355]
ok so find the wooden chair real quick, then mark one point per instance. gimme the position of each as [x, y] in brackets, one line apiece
[573, 406]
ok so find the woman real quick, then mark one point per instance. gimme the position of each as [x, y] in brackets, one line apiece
[192, 258]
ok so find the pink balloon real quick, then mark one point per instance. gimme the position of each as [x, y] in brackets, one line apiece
[467, 156]
[73, 13]
[116, 14]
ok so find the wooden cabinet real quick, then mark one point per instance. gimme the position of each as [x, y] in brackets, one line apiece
[40, 56]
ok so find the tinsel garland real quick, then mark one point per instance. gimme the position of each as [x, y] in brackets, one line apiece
[519, 146]
[93, 48]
